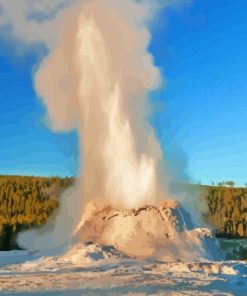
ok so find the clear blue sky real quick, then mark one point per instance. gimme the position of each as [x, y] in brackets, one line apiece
[201, 112]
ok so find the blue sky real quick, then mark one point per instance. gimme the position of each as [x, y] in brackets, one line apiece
[200, 113]
[26, 144]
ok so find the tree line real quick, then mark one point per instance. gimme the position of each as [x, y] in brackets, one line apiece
[27, 202]
[227, 209]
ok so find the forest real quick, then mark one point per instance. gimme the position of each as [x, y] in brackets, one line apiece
[227, 210]
[29, 202]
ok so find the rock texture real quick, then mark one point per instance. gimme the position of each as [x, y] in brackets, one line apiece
[157, 231]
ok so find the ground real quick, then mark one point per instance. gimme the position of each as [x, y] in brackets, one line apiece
[101, 270]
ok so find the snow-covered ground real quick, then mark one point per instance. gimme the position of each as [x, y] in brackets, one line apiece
[90, 269]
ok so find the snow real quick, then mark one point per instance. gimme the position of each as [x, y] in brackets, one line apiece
[91, 269]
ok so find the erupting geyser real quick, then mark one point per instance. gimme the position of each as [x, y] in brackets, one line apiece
[96, 78]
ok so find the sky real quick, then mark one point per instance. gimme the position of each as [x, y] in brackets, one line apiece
[199, 114]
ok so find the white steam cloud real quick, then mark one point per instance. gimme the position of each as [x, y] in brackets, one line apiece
[32, 21]
[96, 78]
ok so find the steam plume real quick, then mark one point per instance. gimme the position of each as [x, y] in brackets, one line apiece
[96, 78]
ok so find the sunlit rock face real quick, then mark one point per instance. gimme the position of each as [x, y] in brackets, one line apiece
[155, 231]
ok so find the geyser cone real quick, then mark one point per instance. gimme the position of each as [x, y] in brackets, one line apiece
[158, 231]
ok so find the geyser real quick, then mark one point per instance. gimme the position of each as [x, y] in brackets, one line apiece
[96, 78]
